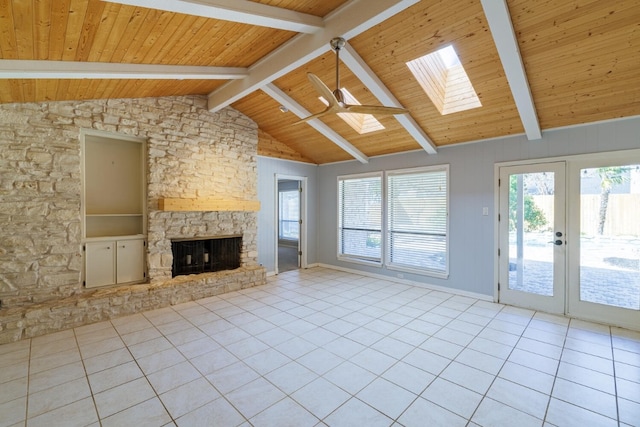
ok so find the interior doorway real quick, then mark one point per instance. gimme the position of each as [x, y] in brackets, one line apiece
[290, 230]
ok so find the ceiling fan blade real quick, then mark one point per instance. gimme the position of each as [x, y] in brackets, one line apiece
[328, 110]
[336, 99]
[322, 89]
[375, 109]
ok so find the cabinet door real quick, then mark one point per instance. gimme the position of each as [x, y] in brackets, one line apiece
[100, 267]
[130, 260]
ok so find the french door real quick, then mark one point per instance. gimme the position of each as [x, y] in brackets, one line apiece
[532, 236]
[569, 237]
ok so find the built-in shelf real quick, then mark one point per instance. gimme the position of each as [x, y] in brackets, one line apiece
[204, 204]
[114, 209]
[114, 214]
[114, 185]
[109, 238]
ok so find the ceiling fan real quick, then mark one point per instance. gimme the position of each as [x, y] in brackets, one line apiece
[336, 98]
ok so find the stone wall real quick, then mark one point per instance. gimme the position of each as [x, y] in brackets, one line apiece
[190, 153]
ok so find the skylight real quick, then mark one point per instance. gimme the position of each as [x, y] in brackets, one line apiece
[361, 123]
[444, 80]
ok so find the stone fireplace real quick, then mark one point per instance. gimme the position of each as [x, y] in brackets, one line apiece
[191, 154]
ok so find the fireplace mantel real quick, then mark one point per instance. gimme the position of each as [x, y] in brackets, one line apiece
[205, 204]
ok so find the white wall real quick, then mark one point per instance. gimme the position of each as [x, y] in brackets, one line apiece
[267, 226]
[471, 243]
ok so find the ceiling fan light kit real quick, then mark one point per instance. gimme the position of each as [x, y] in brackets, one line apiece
[336, 99]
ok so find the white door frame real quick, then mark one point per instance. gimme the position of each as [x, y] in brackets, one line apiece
[574, 307]
[577, 307]
[302, 242]
[556, 303]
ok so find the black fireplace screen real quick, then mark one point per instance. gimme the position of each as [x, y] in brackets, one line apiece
[206, 255]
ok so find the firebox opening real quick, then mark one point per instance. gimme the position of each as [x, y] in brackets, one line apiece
[204, 255]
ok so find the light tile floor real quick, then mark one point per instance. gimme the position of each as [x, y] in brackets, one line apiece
[322, 347]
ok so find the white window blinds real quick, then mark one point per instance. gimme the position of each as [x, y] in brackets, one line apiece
[417, 220]
[360, 217]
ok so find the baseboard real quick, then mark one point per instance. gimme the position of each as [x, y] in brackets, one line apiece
[273, 273]
[454, 291]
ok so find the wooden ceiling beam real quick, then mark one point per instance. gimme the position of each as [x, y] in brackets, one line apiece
[497, 13]
[366, 75]
[35, 69]
[297, 109]
[242, 11]
[348, 21]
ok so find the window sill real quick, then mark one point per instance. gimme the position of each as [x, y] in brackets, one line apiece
[360, 261]
[419, 271]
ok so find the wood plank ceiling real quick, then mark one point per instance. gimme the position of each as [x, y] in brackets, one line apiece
[581, 59]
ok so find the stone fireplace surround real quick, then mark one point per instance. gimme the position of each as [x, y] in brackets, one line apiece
[191, 153]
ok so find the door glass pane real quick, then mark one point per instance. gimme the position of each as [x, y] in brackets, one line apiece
[289, 214]
[531, 210]
[610, 236]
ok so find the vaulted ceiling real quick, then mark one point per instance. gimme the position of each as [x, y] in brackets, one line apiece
[534, 64]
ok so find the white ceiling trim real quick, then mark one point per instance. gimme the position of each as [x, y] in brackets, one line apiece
[35, 69]
[348, 21]
[497, 13]
[297, 109]
[242, 11]
[356, 64]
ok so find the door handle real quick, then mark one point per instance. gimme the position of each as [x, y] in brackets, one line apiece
[556, 242]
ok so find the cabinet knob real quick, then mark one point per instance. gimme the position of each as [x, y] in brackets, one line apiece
[108, 247]
[122, 246]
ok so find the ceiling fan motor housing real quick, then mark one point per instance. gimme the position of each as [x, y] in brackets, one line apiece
[337, 43]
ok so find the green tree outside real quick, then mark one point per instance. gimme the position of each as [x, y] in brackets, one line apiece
[534, 218]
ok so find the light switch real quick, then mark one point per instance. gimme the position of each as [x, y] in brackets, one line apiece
[485, 211]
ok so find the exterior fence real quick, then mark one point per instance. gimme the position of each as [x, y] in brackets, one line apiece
[623, 214]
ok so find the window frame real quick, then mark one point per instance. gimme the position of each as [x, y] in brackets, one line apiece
[384, 261]
[371, 261]
[443, 274]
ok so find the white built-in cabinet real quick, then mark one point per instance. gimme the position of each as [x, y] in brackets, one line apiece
[114, 261]
[114, 209]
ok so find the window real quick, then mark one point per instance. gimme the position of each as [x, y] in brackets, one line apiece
[445, 81]
[360, 217]
[417, 219]
[415, 235]
[289, 214]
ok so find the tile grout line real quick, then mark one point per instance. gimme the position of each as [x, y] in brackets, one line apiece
[84, 368]
[26, 406]
[484, 396]
[615, 378]
[555, 376]
[144, 374]
[583, 385]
